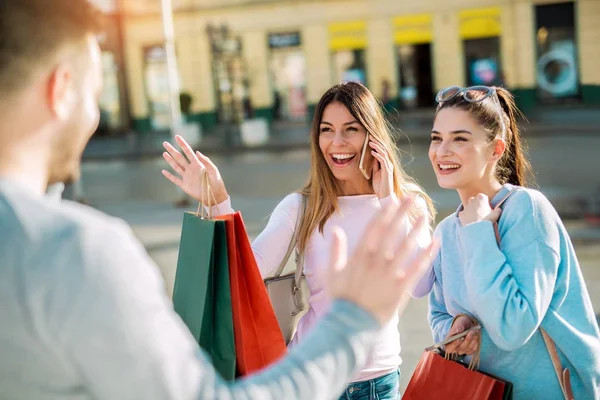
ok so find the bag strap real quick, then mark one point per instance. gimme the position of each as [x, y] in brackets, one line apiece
[294, 242]
[509, 193]
[563, 375]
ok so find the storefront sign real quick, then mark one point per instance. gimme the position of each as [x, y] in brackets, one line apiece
[413, 29]
[279, 40]
[348, 35]
[480, 23]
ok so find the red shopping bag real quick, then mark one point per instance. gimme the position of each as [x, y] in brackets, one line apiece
[438, 378]
[258, 339]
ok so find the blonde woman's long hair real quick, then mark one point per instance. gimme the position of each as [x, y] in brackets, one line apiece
[322, 189]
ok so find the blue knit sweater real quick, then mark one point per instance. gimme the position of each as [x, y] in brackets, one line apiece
[531, 280]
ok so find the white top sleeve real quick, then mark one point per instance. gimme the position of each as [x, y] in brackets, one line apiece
[425, 285]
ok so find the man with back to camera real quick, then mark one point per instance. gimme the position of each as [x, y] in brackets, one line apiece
[83, 309]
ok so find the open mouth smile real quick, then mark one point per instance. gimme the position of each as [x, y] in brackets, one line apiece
[448, 168]
[342, 159]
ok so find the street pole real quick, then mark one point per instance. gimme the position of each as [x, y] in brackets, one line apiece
[173, 76]
[173, 79]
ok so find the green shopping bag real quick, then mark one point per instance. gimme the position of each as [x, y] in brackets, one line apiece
[201, 294]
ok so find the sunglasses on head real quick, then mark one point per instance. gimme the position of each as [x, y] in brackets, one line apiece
[472, 94]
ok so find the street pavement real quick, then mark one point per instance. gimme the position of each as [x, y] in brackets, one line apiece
[566, 168]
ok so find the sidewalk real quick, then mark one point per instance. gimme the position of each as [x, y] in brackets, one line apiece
[285, 136]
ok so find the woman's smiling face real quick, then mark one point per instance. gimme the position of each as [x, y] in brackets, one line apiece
[341, 139]
[460, 151]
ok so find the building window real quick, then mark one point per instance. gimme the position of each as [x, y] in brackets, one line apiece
[482, 60]
[156, 78]
[110, 102]
[416, 80]
[288, 72]
[481, 31]
[556, 67]
[350, 66]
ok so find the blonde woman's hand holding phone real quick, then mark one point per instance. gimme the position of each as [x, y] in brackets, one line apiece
[383, 170]
[190, 168]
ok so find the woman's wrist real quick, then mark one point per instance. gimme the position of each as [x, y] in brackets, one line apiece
[389, 197]
[473, 319]
[221, 198]
[213, 198]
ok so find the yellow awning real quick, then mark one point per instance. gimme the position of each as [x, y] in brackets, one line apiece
[348, 35]
[413, 29]
[480, 23]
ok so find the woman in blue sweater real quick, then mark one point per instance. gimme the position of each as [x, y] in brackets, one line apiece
[531, 280]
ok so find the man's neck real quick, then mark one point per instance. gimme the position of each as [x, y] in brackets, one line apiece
[26, 168]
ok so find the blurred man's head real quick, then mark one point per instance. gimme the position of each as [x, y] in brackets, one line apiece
[50, 82]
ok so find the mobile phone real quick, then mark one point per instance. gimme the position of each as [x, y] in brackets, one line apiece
[363, 156]
[453, 338]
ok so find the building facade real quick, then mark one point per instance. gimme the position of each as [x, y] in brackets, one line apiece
[280, 56]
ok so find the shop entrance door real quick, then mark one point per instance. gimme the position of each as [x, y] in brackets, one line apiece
[288, 68]
[416, 77]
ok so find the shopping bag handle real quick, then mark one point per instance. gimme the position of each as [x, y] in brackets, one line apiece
[205, 212]
[453, 338]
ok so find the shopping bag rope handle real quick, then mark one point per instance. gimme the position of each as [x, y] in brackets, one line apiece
[205, 212]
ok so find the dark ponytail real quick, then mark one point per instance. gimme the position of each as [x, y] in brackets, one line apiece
[513, 167]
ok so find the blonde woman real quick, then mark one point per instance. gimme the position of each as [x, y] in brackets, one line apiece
[338, 194]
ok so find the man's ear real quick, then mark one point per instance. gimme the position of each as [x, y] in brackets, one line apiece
[499, 149]
[60, 95]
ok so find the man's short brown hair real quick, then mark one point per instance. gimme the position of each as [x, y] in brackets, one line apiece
[32, 31]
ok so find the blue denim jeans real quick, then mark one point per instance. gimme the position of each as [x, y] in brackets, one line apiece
[385, 387]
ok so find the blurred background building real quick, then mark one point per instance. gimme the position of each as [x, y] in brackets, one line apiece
[275, 58]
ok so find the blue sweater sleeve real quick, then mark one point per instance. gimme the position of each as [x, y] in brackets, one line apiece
[438, 316]
[511, 289]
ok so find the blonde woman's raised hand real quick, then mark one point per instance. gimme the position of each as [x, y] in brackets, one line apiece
[189, 169]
